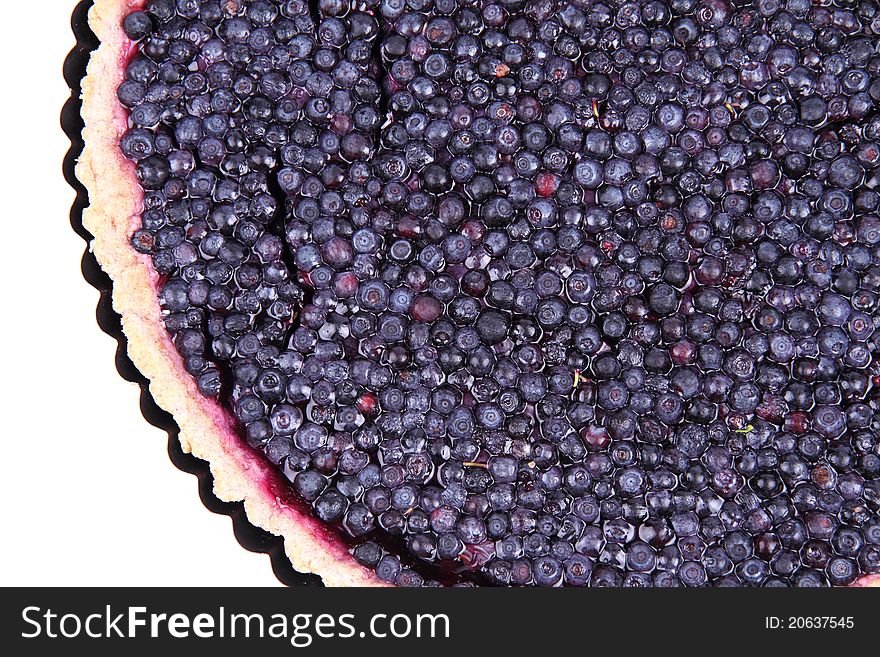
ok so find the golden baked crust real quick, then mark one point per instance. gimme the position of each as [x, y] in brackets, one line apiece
[205, 431]
[112, 216]
[868, 580]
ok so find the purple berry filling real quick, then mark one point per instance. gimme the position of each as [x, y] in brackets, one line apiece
[532, 293]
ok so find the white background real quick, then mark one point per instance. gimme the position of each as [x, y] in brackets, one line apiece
[88, 493]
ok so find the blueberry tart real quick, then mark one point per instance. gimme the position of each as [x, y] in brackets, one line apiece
[469, 292]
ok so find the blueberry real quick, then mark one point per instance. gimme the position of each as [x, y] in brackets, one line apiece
[309, 484]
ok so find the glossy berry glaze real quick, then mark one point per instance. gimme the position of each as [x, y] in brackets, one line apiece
[531, 293]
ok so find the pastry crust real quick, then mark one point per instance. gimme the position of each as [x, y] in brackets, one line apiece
[205, 429]
[867, 580]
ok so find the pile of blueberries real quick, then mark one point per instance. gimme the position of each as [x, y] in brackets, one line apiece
[532, 293]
